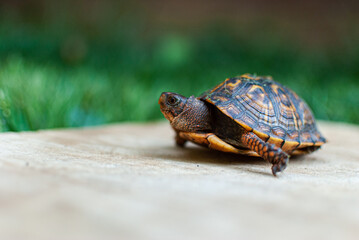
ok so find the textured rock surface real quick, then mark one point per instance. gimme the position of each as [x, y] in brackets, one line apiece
[131, 182]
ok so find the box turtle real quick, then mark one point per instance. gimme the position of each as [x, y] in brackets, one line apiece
[249, 115]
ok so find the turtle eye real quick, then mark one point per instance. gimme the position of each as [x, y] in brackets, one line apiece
[172, 100]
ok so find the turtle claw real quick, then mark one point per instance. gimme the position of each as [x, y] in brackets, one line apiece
[279, 167]
[267, 151]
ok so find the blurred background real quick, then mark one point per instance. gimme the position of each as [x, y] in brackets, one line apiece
[86, 62]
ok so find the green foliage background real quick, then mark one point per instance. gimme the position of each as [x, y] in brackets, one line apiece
[59, 78]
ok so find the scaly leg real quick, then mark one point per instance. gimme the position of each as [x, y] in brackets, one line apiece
[269, 152]
[179, 140]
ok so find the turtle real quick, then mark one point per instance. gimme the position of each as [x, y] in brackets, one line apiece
[250, 115]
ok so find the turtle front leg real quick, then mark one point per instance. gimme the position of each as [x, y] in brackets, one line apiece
[269, 152]
[179, 140]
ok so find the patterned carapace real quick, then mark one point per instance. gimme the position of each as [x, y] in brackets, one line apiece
[270, 110]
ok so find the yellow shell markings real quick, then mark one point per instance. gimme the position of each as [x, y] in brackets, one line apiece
[219, 85]
[213, 142]
[199, 138]
[228, 85]
[288, 115]
[288, 146]
[308, 119]
[286, 108]
[296, 117]
[252, 77]
[254, 98]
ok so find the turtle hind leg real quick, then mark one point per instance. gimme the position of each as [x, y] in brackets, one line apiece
[271, 153]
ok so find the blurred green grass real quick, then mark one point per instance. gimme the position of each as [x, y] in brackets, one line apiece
[48, 81]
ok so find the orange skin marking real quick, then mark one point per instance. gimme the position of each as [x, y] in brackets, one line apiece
[273, 154]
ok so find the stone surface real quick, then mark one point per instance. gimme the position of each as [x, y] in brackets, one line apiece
[130, 182]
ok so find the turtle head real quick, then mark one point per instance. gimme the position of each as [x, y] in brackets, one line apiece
[185, 114]
[171, 104]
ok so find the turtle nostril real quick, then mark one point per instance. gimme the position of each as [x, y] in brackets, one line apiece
[162, 99]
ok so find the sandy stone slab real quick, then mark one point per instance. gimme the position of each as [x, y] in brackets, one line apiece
[129, 181]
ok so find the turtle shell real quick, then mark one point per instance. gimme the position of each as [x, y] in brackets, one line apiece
[273, 112]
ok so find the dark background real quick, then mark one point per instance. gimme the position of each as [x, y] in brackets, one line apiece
[79, 63]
